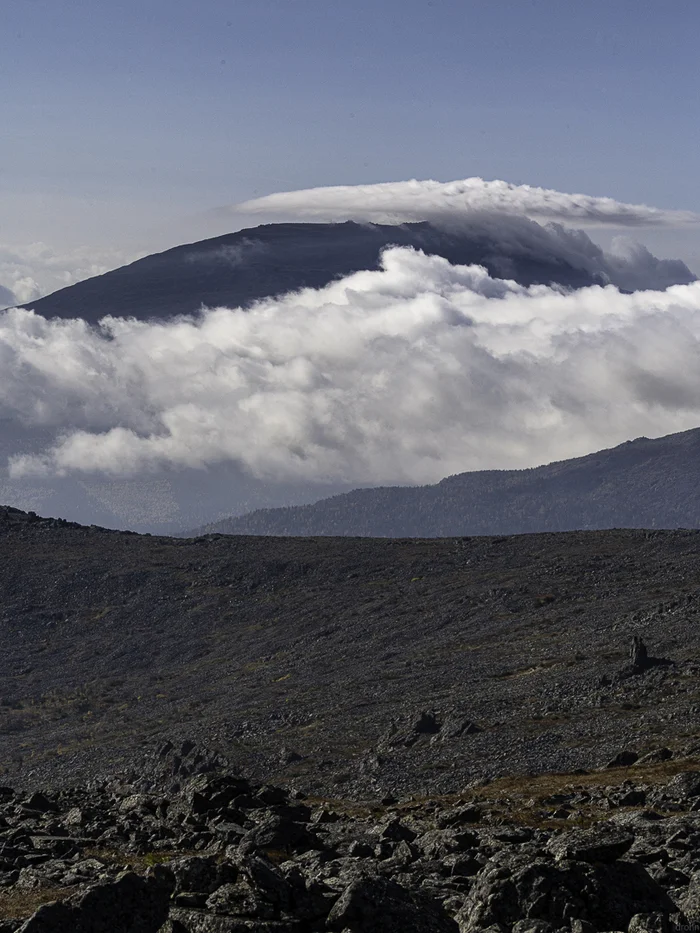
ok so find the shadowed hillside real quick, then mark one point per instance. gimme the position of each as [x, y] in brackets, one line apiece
[360, 665]
[640, 484]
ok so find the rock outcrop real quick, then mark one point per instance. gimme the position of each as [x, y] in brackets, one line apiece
[554, 854]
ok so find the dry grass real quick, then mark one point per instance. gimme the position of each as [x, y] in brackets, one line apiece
[137, 863]
[543, 785]
[19, 903]
[520, 798]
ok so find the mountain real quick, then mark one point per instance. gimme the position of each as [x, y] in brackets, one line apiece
[236, 270]
[643, 483]
[239, 268]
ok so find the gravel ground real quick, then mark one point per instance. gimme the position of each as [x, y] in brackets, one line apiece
[310, 661]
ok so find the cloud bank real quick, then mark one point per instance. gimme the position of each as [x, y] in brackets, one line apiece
[401, 375]
[442, 202]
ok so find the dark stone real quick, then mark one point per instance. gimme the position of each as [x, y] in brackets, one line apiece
[462, 815]
[633, 798]
[377, 905]
[425, 723]
[657, 755]
[130, 904]
[396, 831]
[456, 726]
[281, 834]
[623, 760]
[649, 923]
[514, 886]
[201, 874]
[41, 803]
[639, 656]
[592, 845]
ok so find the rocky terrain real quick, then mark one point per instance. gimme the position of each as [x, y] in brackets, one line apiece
[239, 268]
[645, 483]
[212, 852]
[335, 664]
[332, 734]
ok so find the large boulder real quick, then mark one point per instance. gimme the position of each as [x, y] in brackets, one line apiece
[280, 834]
[604, 843]
[131, 904]
[203, 874]
[514, 887]
[208, 793]
[377, 905]
[684, 786]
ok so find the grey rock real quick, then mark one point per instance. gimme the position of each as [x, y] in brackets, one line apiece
[654, 756]
[456, 726]
[601, 844]
[396, 831]
[649, 923]
[514, 887]
[684, 785]
[201, 874]
[130, 904]
[241, 898]
[277, 833]
[202, 921]
[377, 905]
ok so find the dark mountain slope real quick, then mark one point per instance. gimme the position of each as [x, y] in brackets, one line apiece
[240, 268]
[640, 484]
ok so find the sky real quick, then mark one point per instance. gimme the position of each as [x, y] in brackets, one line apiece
[126, 126]
[130, 127]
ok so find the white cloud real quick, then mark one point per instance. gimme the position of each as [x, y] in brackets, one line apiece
[7, 297]
[406, 374]
[403, 201]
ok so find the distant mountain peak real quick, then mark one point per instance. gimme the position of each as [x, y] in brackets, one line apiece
[272, 259]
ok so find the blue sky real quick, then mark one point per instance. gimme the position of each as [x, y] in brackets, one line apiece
[123, 123]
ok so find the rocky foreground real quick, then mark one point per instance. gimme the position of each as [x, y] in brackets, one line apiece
[476, 734]
[617, 849]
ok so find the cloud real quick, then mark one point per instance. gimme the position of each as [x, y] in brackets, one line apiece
[7, 298]
[231, 255]
[30, 270]
[401, 375]
[442, 202]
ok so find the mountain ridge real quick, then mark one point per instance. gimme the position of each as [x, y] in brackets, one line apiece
[644, 483]
[239, 268]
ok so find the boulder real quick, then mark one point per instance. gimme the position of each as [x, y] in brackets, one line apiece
[515, 887]
[623, 759]
[603, 844]
[456, 726]
[201, 874]
[378, 905]
[280, 834]
[131, 904]
[684, 786]
[649, 923]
